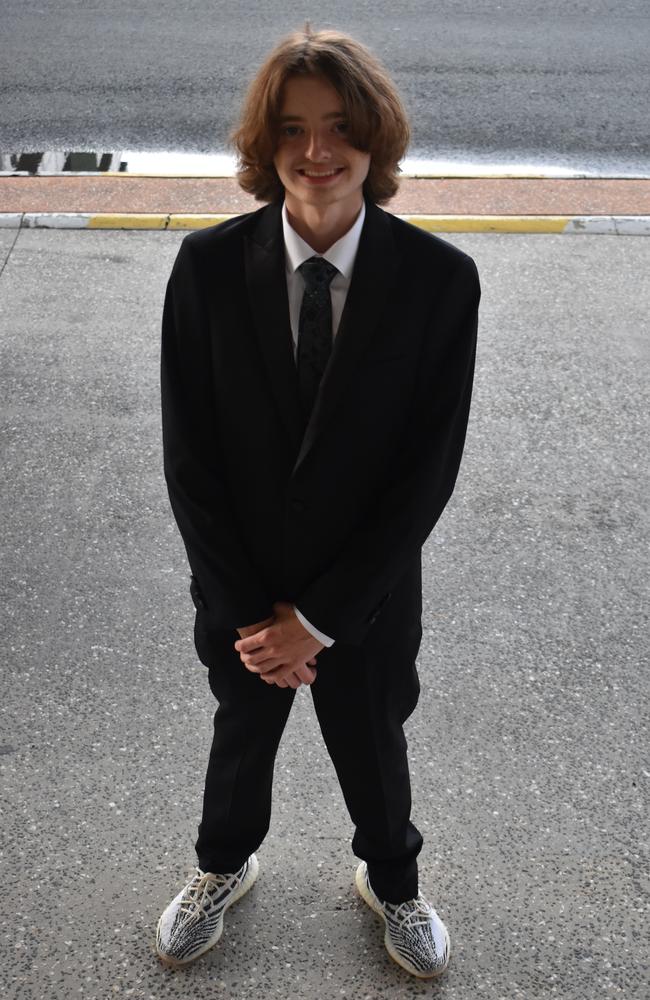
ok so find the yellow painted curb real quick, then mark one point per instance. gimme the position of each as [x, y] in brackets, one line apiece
[612, 225]
[490, 223]
[107, 221]
[196, 221]
[432, 223]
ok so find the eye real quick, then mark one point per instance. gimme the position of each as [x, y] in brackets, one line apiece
[341, 127]
[290, 131]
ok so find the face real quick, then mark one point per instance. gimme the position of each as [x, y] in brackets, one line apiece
[314, 160]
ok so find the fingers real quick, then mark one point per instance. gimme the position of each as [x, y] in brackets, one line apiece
[263, 660]
[262, 666]
[306, 674]
[291, 676]
[254, 629]
[261, 663]
[252, 641]
[295, 680]
[283, 682]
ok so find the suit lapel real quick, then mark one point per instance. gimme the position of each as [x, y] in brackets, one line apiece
[267, 293]
[372, 279]
[374, 273]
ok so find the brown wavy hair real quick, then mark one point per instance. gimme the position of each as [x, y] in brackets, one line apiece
[377, 121]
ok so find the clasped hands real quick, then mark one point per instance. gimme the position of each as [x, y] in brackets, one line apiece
[279, 649]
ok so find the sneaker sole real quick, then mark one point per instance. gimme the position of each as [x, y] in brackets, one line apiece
[175, 963]
[362, 889]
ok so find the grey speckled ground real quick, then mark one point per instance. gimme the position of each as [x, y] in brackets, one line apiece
[528, 747]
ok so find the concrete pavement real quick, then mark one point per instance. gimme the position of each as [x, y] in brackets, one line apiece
[528, 746]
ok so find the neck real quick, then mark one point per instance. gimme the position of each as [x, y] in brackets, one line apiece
[321, 227]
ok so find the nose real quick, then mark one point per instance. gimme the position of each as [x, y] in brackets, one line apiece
[317, 147]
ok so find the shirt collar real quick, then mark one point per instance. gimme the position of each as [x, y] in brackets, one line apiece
[341, 254]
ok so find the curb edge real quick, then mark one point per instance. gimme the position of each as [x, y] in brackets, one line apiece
[614, 225]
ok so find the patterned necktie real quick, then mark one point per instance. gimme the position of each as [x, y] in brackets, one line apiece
[314, 328]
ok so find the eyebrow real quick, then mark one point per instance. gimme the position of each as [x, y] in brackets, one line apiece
[299, 118]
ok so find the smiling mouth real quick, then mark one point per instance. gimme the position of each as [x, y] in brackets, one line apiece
[321, 173]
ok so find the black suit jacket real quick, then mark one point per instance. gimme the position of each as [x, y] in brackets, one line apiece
[332, 516]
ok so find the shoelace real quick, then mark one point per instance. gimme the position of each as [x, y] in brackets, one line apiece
[199, 893]
[413, 912]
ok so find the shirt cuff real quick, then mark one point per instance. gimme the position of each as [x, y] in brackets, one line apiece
[325, 639]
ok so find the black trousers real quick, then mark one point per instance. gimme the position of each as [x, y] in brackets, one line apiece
[362, 697]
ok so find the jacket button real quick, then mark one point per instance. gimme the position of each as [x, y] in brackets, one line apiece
[297, 504]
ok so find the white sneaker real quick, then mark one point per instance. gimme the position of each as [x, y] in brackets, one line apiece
[193, 921]
[415, 935]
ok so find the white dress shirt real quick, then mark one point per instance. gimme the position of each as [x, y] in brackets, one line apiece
[342, 255]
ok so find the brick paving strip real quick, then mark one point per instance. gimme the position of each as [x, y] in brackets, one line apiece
[421, 196]
[443, 204]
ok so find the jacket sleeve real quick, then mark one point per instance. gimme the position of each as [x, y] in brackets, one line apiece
[345, 600]
[226, 584]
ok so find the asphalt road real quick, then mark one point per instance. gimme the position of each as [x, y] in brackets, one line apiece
[556, 83]
[529, 744]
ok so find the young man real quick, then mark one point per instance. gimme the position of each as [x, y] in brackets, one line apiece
[317, 365]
